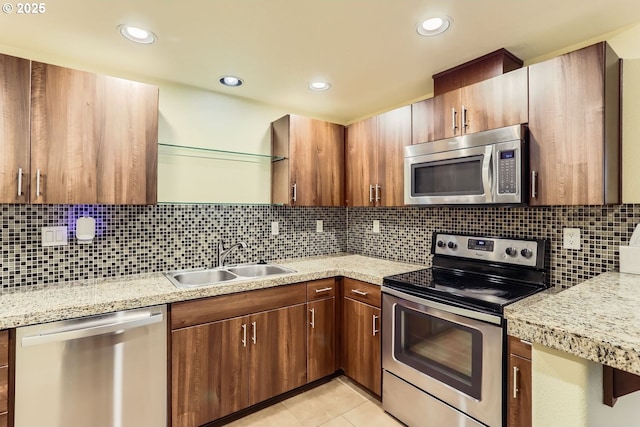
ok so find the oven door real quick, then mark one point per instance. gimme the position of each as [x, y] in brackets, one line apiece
[457, 359]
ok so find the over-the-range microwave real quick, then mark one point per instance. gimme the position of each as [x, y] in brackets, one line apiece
[483, 168]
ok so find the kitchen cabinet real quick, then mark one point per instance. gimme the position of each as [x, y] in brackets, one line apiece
[321, 336]
[574, 124]
[93, 138]
[308, 169]
[361, 315]
[15, 86]
[519, 383]
[375, 159]
[234, 351]
[493, 103]
[4, 378]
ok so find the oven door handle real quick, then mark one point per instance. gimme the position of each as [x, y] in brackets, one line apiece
[472, 314]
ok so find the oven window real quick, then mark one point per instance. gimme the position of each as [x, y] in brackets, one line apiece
[446, 351]
[448, 177]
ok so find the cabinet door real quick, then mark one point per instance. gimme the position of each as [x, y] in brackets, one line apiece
[209, 371]
[574, 162]
[321, 353]
[496, 102]
[15, 77]
[519, 399]
[360, 162]
[423, 121]
[394, 133]
[278, 352]
[361, 345]
[447, 115]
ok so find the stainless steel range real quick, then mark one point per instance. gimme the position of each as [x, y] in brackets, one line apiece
[443, 337]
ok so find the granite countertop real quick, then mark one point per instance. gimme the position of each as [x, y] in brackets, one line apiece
[598, 320]
[39, 304]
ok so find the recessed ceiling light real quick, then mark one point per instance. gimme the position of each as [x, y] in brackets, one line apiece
[319, 86]
[231, 81]
[137, 35]
[434, 26]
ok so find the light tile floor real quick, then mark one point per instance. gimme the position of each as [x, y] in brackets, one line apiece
[338, 403]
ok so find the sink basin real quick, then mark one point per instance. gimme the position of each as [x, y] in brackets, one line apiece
[259, 270]
[218, 276]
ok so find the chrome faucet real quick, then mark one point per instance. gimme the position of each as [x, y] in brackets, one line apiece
[224, 253]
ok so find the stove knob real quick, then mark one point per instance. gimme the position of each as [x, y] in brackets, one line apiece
[511, 251]
[441, 244]
[526, 253]
[452, 245]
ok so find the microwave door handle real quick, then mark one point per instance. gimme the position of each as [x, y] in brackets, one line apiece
[487, 173]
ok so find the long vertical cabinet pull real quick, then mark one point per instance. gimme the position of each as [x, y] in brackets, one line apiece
[244, 334]
[378, 191]
[453, 121]
[38, 183]
[464, 124]
[370, 193]
[295, 191]
[313, 318]
[19, 182]
[375, 331]
[253, 337]
[515, 382]
[534, 185]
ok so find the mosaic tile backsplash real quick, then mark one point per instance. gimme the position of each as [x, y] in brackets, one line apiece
[405, 233]
[140, 239]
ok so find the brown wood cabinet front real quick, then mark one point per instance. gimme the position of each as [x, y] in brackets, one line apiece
[519, 384]
[321, 353]
[493, 103]
[311, 172]
[4, 377]
[574, 115]
[15, 77]
[93, 138]
[375, 159]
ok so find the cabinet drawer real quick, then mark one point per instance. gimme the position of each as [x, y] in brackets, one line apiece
[320, 289]
[519, 348]
[4, 388]
[361, 291]
[4, 348]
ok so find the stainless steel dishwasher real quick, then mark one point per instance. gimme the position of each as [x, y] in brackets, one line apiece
[107, 370]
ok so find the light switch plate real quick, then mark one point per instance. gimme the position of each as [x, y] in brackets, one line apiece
[54, 236]
[275, 228]
[376, 226]
[571, 238]
[319, 226]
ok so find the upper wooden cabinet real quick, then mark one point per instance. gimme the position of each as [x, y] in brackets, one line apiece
[493, 103]
[311, 171]
[15, 77]
[93, 138]
[574, 123]
[375, 159]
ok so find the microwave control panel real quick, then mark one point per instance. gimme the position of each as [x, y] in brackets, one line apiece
[507, 172]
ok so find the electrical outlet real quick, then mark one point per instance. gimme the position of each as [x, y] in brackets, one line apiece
[376, 226]
[275, 228]
[319, 226]
[571, 238]
[54, 236]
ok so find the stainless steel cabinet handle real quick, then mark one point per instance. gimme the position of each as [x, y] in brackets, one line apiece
[515, 382]
[253, 326]
[378, 188]
[453, 121]
[313, 318]
[295, 192]
[323, 290]
[534, 186]
[37, 182]
[464, 124]
[85, 332]
[359, 292]
[375, 331]
[370, 193]
[19, 182]
[244, 334]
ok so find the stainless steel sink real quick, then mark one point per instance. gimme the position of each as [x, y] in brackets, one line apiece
[223, 275]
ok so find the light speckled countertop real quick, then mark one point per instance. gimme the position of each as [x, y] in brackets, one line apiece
[34, 304]
[598, 320]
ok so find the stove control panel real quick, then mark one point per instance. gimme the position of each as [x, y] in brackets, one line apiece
[526, 252]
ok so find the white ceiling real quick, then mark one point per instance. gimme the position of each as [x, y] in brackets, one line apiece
[367, 49]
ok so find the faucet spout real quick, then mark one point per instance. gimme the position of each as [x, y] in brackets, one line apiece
[224, 253]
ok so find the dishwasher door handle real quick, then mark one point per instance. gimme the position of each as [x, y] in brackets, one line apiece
[117, 327]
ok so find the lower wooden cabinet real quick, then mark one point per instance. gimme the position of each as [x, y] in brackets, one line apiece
[361, 359]
[4, 378]
[321, 353]
[519, 388]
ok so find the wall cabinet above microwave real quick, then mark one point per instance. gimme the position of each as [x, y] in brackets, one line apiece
[493, 103]
[72, 137]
